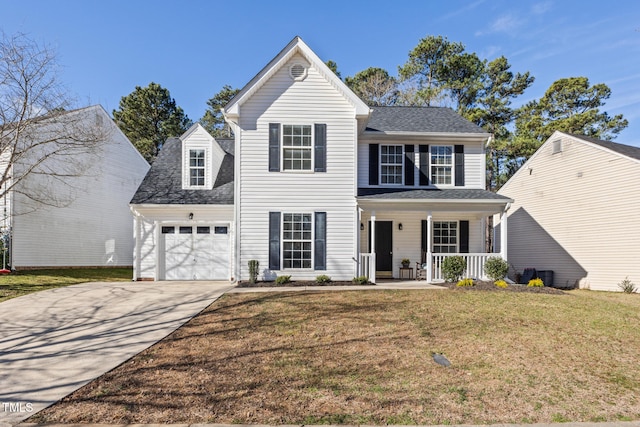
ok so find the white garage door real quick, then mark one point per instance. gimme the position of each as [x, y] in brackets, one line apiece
[196, 252]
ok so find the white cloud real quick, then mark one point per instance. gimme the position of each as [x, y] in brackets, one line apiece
[541, 8]
[504, 24]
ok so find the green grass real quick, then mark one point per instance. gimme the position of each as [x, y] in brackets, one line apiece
[26, 282]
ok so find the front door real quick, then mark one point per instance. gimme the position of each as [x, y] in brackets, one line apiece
[384, 246]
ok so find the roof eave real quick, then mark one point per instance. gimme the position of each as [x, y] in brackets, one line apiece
[431, 135]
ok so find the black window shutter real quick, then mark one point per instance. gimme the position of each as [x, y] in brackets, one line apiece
[320, 243]
[274, 240]
[459, 162]
[274, 147]
[423, 236]
[409, 166]
[464, 237]
[373, 164]
[320, 133]
[424, 164]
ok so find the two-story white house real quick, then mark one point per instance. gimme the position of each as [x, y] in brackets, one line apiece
[321, 184]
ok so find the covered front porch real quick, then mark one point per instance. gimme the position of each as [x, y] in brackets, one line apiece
[425, 229]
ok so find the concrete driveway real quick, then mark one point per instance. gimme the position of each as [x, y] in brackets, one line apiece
[53, 342]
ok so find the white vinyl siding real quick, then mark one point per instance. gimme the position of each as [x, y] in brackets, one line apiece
[201, 159]
[281, 100]
[576, 213]
[96, 227]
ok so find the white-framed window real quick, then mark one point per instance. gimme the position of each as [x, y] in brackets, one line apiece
[445, 237]
[297, 240]
[196, 167]
[441, 164]
[391, 158]
[297, 147]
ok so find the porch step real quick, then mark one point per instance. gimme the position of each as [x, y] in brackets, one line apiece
[384, 274]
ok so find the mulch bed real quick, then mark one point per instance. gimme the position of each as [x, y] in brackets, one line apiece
[247, 284]
[480, 285]
[483, 285]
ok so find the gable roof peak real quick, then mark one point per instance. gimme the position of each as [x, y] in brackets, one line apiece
[295, 46]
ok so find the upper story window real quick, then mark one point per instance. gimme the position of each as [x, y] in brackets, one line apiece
[296, 147]
[391, 164]
[197, 168]
[441, 164]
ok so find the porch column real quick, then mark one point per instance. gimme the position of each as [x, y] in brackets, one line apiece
[372, 267]
[429, 257]
[357, 245]
[503, 232]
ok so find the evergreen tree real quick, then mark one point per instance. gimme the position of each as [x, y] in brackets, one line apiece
[213, 120]
[148, 116]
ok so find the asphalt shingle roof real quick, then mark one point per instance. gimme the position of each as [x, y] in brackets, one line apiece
[625, 150]
[430, 194]
[163, 182]
[419, 119]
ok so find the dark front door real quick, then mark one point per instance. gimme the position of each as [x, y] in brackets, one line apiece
[384, 246]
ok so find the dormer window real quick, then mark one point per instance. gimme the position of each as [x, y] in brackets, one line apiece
[197, 168]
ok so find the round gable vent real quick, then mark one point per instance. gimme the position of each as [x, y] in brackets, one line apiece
[298, 71]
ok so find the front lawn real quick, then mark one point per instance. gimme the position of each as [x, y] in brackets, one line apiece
[364, 357]
[25, 282]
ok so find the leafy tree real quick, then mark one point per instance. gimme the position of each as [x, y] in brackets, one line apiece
[570, 105]
[42, 143]
[148, 116]
[374, 86]
[427, 68]
[213, 120]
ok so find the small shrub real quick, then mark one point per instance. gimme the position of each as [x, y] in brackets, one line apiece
[361, 280]
[465, 283]
[535, 283]
[254, 268]
[501, 284]
[453, 267]
[496, 268]
[283, 280]
[627, 286]
[323, 278]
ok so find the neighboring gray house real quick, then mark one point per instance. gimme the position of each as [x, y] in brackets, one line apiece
[322, 184]
[577, 212]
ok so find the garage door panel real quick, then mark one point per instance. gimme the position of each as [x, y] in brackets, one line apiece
[196, 253]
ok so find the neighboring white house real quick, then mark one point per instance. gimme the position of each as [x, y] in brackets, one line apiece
[82, 220]
[317, 183]
[576, 212]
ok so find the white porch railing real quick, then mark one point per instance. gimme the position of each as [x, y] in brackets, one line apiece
[367, 266]
[475, 265]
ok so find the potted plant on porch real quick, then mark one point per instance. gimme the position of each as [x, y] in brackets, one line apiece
[405, 262]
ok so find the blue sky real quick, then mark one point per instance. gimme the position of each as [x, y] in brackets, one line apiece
[193, 48]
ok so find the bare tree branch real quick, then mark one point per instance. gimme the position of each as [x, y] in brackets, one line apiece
[43, 146]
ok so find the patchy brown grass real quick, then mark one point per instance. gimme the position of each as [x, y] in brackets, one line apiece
[365, 357]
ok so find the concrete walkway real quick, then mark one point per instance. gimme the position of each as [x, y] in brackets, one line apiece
[53, 342]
